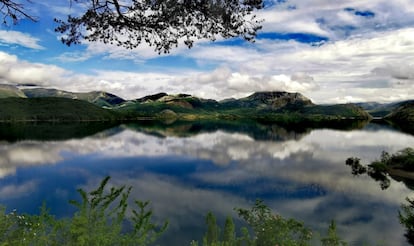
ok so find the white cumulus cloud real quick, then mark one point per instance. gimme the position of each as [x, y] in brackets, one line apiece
[19, 38]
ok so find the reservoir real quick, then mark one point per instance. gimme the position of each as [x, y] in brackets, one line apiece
[188, 169]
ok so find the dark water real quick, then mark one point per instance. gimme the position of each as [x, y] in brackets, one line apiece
[186, 170]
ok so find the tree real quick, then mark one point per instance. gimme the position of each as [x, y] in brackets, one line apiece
[213, 231]
[332, 239]
[160, 23]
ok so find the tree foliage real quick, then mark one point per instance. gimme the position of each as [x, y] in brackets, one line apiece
[273, 229]
[160, 23]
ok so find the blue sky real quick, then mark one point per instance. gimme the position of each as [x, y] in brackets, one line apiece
[332, 51]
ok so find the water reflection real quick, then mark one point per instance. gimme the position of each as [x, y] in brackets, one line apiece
[43, 131]
[189, 169]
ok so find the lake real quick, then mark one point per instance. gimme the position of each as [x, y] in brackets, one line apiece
[186, 170]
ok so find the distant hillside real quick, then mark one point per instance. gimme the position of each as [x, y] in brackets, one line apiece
[180, 100]
[263, 106]
[341, 110]
[404, 113]
[151, 98]
[51, 109]
[403, 116]
[100, 98]
[381, 109]
[10, 91]
[266, 106]
[268, 100]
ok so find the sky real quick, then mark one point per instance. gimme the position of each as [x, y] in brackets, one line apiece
[331, 51]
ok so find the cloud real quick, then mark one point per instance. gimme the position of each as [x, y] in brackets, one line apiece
[219, 84]
[15, 71]
[19, 38]
[402, 71]
[73, 56]
[223, 83]
[15, 191]
[337, 19]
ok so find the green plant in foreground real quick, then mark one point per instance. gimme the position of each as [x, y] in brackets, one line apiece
[101, 219]
[406, 216]
[264, 229]
[105, 218]
[332, 239]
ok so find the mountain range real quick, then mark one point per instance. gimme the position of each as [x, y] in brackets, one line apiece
[259, 106]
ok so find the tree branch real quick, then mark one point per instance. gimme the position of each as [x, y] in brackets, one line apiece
[162, 24]
[14, 11]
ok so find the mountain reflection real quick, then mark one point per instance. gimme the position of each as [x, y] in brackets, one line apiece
[43, 131]
[186, 170]
[252, 129]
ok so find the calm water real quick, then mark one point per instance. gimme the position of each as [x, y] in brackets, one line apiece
[187, 170]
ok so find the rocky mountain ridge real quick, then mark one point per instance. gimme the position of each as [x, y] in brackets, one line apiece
[264, 99]
[258, 103]
[99, 98]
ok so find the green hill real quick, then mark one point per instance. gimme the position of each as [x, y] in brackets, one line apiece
[52, 109]
[263, 106]
[337, 110]
[268, 100]
[403, 116]
[269, 106]
[381, 110]
[100, 98]
[10, 91]
[404, 113]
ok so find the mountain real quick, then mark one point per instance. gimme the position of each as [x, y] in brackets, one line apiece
[180, 100]
[404, 113]
[348, 110]
[265, 106]
[99, 98]
[10, 91]
[403, 116]
[272, 106]
[268, 100]
[151, 98]
[381, 110]
[52, 109]
[259, 100]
